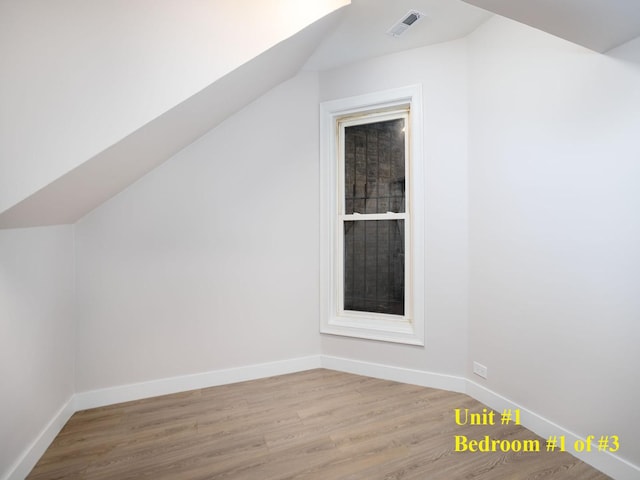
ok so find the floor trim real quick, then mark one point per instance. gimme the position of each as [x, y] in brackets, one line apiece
[397, 374]
[21, 468]
[165, 386]
[608, 463]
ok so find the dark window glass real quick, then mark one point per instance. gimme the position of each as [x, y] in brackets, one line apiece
[374, 167]
[374, 266]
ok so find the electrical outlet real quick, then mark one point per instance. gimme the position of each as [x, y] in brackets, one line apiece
[479, 369]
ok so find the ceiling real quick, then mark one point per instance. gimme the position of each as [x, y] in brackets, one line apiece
[599, 25]
[362, 32]
[73, 195]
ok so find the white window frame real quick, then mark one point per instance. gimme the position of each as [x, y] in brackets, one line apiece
[334, 320]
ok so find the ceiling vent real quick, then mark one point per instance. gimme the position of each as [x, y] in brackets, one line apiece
[402, 25]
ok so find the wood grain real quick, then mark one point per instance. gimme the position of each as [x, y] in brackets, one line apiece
[313, 425]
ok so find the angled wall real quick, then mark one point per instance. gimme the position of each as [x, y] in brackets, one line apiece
[554, 228]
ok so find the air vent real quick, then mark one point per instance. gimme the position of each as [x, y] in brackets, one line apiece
[402, 25]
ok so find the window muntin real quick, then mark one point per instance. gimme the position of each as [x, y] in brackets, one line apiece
[373, 214]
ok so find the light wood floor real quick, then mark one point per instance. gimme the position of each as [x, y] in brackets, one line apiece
[318, 424]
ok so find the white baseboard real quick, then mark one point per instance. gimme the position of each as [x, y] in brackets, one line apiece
[398, 374]
[165, 386]
[21, 468]
[606, 462]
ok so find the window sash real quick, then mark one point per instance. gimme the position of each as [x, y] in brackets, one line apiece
[362, 118]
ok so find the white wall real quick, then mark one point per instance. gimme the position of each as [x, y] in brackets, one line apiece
[77, 77]
[441, 69]
[210, 261]
[555, 230]
[36, 334]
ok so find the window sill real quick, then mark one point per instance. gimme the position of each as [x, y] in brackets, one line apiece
[389, 331]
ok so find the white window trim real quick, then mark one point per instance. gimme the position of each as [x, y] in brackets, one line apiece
[362, 324]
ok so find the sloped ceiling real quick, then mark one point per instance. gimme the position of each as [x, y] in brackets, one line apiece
[349, 34]
[96, 94]
[599, 25]
[76, 193]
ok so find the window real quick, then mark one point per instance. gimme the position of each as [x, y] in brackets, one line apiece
[372, 214]
[372, 233]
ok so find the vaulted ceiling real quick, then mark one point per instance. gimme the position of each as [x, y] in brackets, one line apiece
[96, 94]
[73, 133]
[70, 196]
[599, 25]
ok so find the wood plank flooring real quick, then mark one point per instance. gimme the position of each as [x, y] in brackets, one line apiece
[319, 424]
